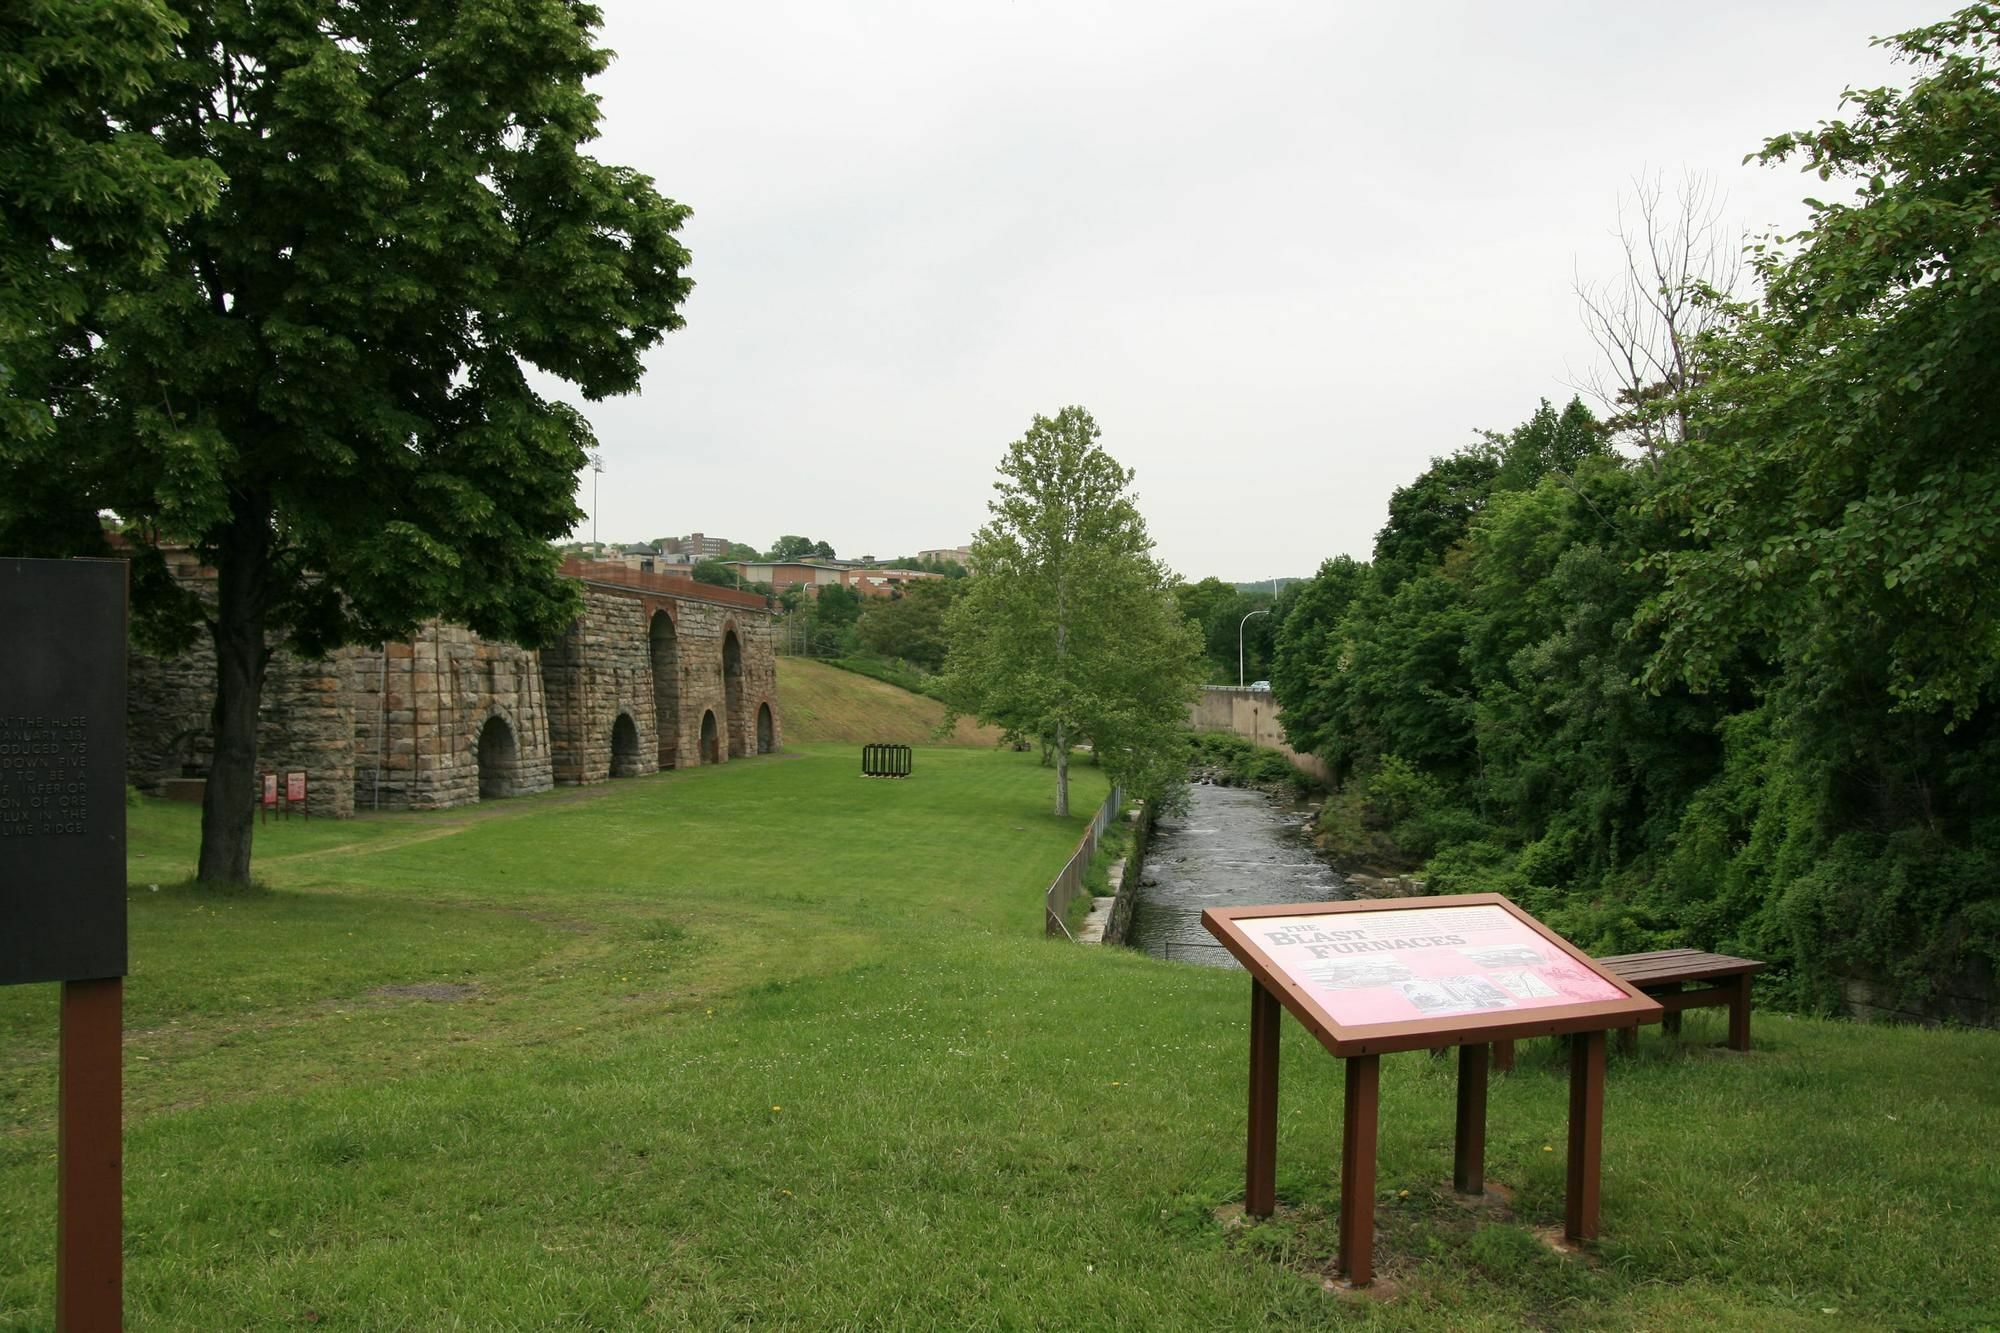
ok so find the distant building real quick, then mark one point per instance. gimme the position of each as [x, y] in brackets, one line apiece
[812, 575]
[784, 575]
[948, 555]
[645, 563]
[695, 547]
[884, 582]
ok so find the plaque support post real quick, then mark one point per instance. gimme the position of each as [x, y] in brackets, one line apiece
[1468, 1161]
[1260, 1171]
[90, 1199]
[1360, 1117]
[1586, 1136]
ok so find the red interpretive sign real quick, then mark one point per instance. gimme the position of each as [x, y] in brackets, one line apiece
[1425, 962]
[271, 790]
[1372, 978]
[1398, 974]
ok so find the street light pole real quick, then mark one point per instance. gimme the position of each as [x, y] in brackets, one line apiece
[1239, 643]
[596, 471]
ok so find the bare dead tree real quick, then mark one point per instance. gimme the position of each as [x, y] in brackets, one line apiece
[1683, 263]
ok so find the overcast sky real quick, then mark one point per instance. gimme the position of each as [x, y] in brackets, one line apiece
[1284, 253]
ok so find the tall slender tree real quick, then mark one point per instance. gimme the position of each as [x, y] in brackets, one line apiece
[1070, 631]
[362, 223]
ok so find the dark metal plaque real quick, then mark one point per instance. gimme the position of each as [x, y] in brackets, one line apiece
[62, 770]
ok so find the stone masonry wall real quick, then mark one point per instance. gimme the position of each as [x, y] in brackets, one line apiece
[422, 707]
[305, 719]
[605, 667]
[401, 726]
[601, 668]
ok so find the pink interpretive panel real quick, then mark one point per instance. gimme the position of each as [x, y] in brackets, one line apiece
[1396, 974]
[1382, 967]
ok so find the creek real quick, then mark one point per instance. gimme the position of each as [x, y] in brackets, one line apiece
[1233, 846]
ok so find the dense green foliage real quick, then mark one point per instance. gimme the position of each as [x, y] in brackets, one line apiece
[910, 626]
[272, 281]
[1069, 632]
[1238, 627]
[821, 622]
[1230, 760]
[792, 546]
[1743, 696]
[716, 574]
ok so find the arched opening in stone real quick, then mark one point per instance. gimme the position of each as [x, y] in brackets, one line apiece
[764, 741]
[499, 760]
[625, 747]
[711, 752]
[666, 652]
[732, 692]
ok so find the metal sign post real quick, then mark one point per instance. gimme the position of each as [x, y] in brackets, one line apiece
[1400, 974]
[62, 860]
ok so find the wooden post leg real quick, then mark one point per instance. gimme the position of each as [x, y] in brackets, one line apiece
[1586, 1135]
[1628, 1040]
[1670, 1022]
[1468, 1173]
[1360, 1118]
[1260, 1171]
[90, 1148]
[1739, 1015]
[1503, 1056]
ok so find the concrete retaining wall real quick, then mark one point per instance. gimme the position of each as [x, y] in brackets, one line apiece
[1253, 715]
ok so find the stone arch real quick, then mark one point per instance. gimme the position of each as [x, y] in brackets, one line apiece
[625, 747]
[732, 693]
[711, 749]
[187, 754]
[764, 729]
[664, 641]
[499, 758]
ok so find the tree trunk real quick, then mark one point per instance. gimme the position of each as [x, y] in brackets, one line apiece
[1062, 772]
[229, 802]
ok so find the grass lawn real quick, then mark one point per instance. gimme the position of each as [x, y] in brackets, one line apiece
[772, 1044]
[823, 704]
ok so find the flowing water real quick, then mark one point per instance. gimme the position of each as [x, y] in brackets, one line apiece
[1233, 847]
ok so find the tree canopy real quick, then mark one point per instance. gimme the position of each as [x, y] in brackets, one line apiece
[274, 277]
[1842, 492]
[1069, 630]
[912, 626]
[792, 546]
[1739, 693]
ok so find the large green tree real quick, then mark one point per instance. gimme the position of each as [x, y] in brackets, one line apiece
[1070, 631]
[304, 352]
[911, 626]
[1841, 488]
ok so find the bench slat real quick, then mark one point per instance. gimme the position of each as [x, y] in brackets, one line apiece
[1670, 965]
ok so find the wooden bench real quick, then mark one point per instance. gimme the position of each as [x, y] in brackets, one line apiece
[1661, 975]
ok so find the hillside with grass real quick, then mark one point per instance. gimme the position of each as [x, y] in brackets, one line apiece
[767, 1043]
[820, 703]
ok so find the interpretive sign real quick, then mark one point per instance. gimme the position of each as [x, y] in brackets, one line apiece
[62, 770]
[1402, 973]
[1399, 974]
[62, 888]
